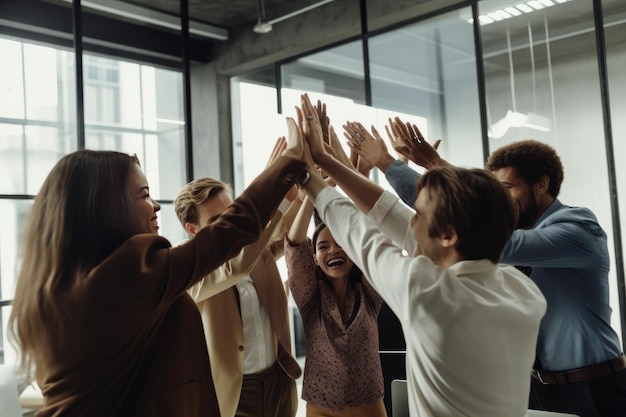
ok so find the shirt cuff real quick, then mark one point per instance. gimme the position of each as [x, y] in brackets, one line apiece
[382, 206]
[394, 166]
[284, 206]
[324, 198]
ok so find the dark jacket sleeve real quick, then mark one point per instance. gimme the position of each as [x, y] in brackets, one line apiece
[168, 272]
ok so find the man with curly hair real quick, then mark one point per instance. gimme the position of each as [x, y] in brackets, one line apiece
[579, 367]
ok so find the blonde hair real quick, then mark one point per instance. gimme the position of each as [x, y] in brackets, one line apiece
[195, 193]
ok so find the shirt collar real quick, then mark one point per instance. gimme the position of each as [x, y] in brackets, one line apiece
[552, 208]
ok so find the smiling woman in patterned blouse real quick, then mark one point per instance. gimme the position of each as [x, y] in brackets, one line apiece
[339, 308]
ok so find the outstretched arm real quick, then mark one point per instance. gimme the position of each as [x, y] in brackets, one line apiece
[371, 146]
[299, 257]
[300, 226]
[363, 192]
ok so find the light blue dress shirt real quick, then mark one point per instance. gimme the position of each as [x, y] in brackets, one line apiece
[567, 250]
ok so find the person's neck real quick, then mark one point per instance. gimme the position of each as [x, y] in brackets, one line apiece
[449, 259]
[341, 289]
[542, 206]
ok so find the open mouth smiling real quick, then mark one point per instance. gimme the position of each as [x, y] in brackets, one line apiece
[336, 262]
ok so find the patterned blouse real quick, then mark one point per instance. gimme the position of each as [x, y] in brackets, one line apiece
[342, 365]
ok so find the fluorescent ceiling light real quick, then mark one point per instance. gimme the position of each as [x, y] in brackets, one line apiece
[495, 16]
[153, 17]
[535, 5]
[525, 8]
[513, 11]
[517, 119]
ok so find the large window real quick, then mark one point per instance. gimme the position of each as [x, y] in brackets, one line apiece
[615, 33]
[542, 82]
[129, 107]
[428, 69]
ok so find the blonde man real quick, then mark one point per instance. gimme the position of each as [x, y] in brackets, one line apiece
[244, 310]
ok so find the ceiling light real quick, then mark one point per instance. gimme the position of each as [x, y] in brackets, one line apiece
[484, 20]
[525, 8]
[262, 27]
[513, 11]
[495, 16]
[503, 14]
[153, 17]
[516, 119]
[535, 5]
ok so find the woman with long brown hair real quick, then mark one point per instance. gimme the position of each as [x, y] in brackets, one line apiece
[101, 314]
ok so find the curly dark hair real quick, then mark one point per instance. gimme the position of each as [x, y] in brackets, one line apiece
[532, 160]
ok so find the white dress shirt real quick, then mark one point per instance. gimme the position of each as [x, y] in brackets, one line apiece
[470, 330]
[257, 330]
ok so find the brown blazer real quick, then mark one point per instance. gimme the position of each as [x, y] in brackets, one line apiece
[221, 316]
[132, 343]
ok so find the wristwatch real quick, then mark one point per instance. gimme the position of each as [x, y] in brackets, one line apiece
[304, 178]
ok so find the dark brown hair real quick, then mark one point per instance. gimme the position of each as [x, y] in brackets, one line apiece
[473, 203]
[80, 215]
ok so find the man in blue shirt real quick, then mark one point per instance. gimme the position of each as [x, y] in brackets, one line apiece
[579, 367]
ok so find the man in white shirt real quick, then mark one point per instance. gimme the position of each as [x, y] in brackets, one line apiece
[470, 324]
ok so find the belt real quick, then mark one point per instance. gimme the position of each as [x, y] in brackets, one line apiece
[581, 374]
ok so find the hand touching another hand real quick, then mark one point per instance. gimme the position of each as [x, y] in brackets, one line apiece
[312, 128]
[279, 146]
[408, 140]
[371, 148]
[296, 146]
[320, 108]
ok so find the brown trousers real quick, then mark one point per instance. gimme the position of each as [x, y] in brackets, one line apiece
[375, 409]
[269, 393]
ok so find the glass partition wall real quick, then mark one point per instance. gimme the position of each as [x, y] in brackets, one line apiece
[614, 18]
[543, 82]
[541, 70]
[128, 107]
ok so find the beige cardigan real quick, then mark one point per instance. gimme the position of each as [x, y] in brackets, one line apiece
[222, 319]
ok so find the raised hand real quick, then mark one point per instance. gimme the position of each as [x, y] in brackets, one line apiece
[320, 108]
[313, 133]
[396, 143]
[370, 148]
[279, 146]
[295, 142]
[335, 149]
[409, 141]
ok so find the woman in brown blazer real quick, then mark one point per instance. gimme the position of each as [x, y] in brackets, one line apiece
[101, 313]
